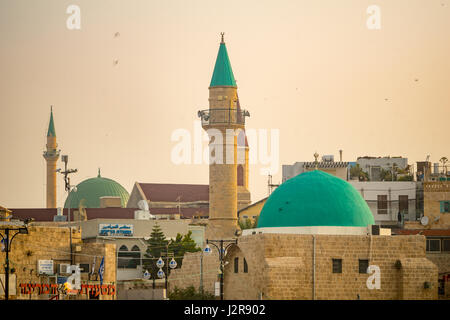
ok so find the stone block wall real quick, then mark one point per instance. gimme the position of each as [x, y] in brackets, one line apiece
[53, 243]
[190, 272]
[434, 193]
[280, 266]
[419, 279]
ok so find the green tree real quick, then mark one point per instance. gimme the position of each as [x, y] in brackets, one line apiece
[357, 172]
[181, 245]
[189, 293]
[156, 246]
[248, 223]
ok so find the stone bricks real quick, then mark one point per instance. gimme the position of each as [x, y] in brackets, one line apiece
[53, 243]
[283, 266]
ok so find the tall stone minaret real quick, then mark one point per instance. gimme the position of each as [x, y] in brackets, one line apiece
[223, 117]
[51, 155]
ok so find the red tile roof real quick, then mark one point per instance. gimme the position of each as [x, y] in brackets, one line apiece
[44, 214]
[161, 192]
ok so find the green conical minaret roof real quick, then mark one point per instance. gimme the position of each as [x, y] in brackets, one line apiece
[223, 74]
[51, 125]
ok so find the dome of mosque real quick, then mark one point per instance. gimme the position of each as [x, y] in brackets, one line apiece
[89, 192]
[315, 198]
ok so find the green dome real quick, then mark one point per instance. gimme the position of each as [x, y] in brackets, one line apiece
[89, 192]
[315, 198]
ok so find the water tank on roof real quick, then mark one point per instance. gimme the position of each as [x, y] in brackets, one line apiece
[328, 158]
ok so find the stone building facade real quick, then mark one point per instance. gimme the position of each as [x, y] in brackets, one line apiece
[53, 244]
[437, 204]
[287, 266]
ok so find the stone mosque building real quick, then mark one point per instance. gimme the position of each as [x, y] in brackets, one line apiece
[315, 238]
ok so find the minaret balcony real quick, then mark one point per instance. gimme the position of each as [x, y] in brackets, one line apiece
[51, 153]
[211, 117]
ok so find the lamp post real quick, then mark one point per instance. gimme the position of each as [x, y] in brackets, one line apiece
[68, 187]
[160, 264]
[7, 243]
[222, 251]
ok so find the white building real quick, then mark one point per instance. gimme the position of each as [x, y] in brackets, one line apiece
[373, 165]
[129, 235]
[386, 199]
[328, 165]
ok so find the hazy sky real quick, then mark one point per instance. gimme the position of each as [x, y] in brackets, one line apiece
[311, 69]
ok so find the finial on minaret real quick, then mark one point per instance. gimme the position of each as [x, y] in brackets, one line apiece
[316, 155]
[222, 34]
[99, 176]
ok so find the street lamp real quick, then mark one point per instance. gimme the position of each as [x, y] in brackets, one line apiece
[222, 252]
[68, 187]
[160, 264]
[7, 248]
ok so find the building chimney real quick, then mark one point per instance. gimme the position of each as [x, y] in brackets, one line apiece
[340, 155]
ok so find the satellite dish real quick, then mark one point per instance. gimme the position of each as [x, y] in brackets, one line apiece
[146, 238]
[424, 220]
[143, 205]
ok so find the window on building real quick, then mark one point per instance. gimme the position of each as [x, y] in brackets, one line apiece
[240, 175]
[236, 265]
[245, 266]
[84, 267]
[403, 204]
[122, 260]
[445, 206]
[363, 265]
[382, 204]
[446, 245]
[337, 265]
[129, 259]
[434, 245]
[135, 255]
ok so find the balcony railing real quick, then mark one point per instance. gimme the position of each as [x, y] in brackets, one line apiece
[223, 116]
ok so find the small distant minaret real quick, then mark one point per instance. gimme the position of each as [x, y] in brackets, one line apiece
[51, 155]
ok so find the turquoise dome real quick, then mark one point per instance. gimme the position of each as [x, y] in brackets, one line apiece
[89, 192]
[315, 198]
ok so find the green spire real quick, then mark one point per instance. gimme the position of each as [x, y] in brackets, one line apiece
[51, 125]
[223, 74]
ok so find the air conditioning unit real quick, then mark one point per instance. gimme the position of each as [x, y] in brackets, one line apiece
[64, 268]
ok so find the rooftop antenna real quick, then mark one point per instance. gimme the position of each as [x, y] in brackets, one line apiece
[271, 185]
[66, 172]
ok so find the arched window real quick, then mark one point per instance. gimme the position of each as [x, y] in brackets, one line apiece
[240, 175]
[135, 254]
[122, 256]
[129, 259]
[236, 265]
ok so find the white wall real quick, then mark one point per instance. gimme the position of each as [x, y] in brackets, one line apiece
[371, 189]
